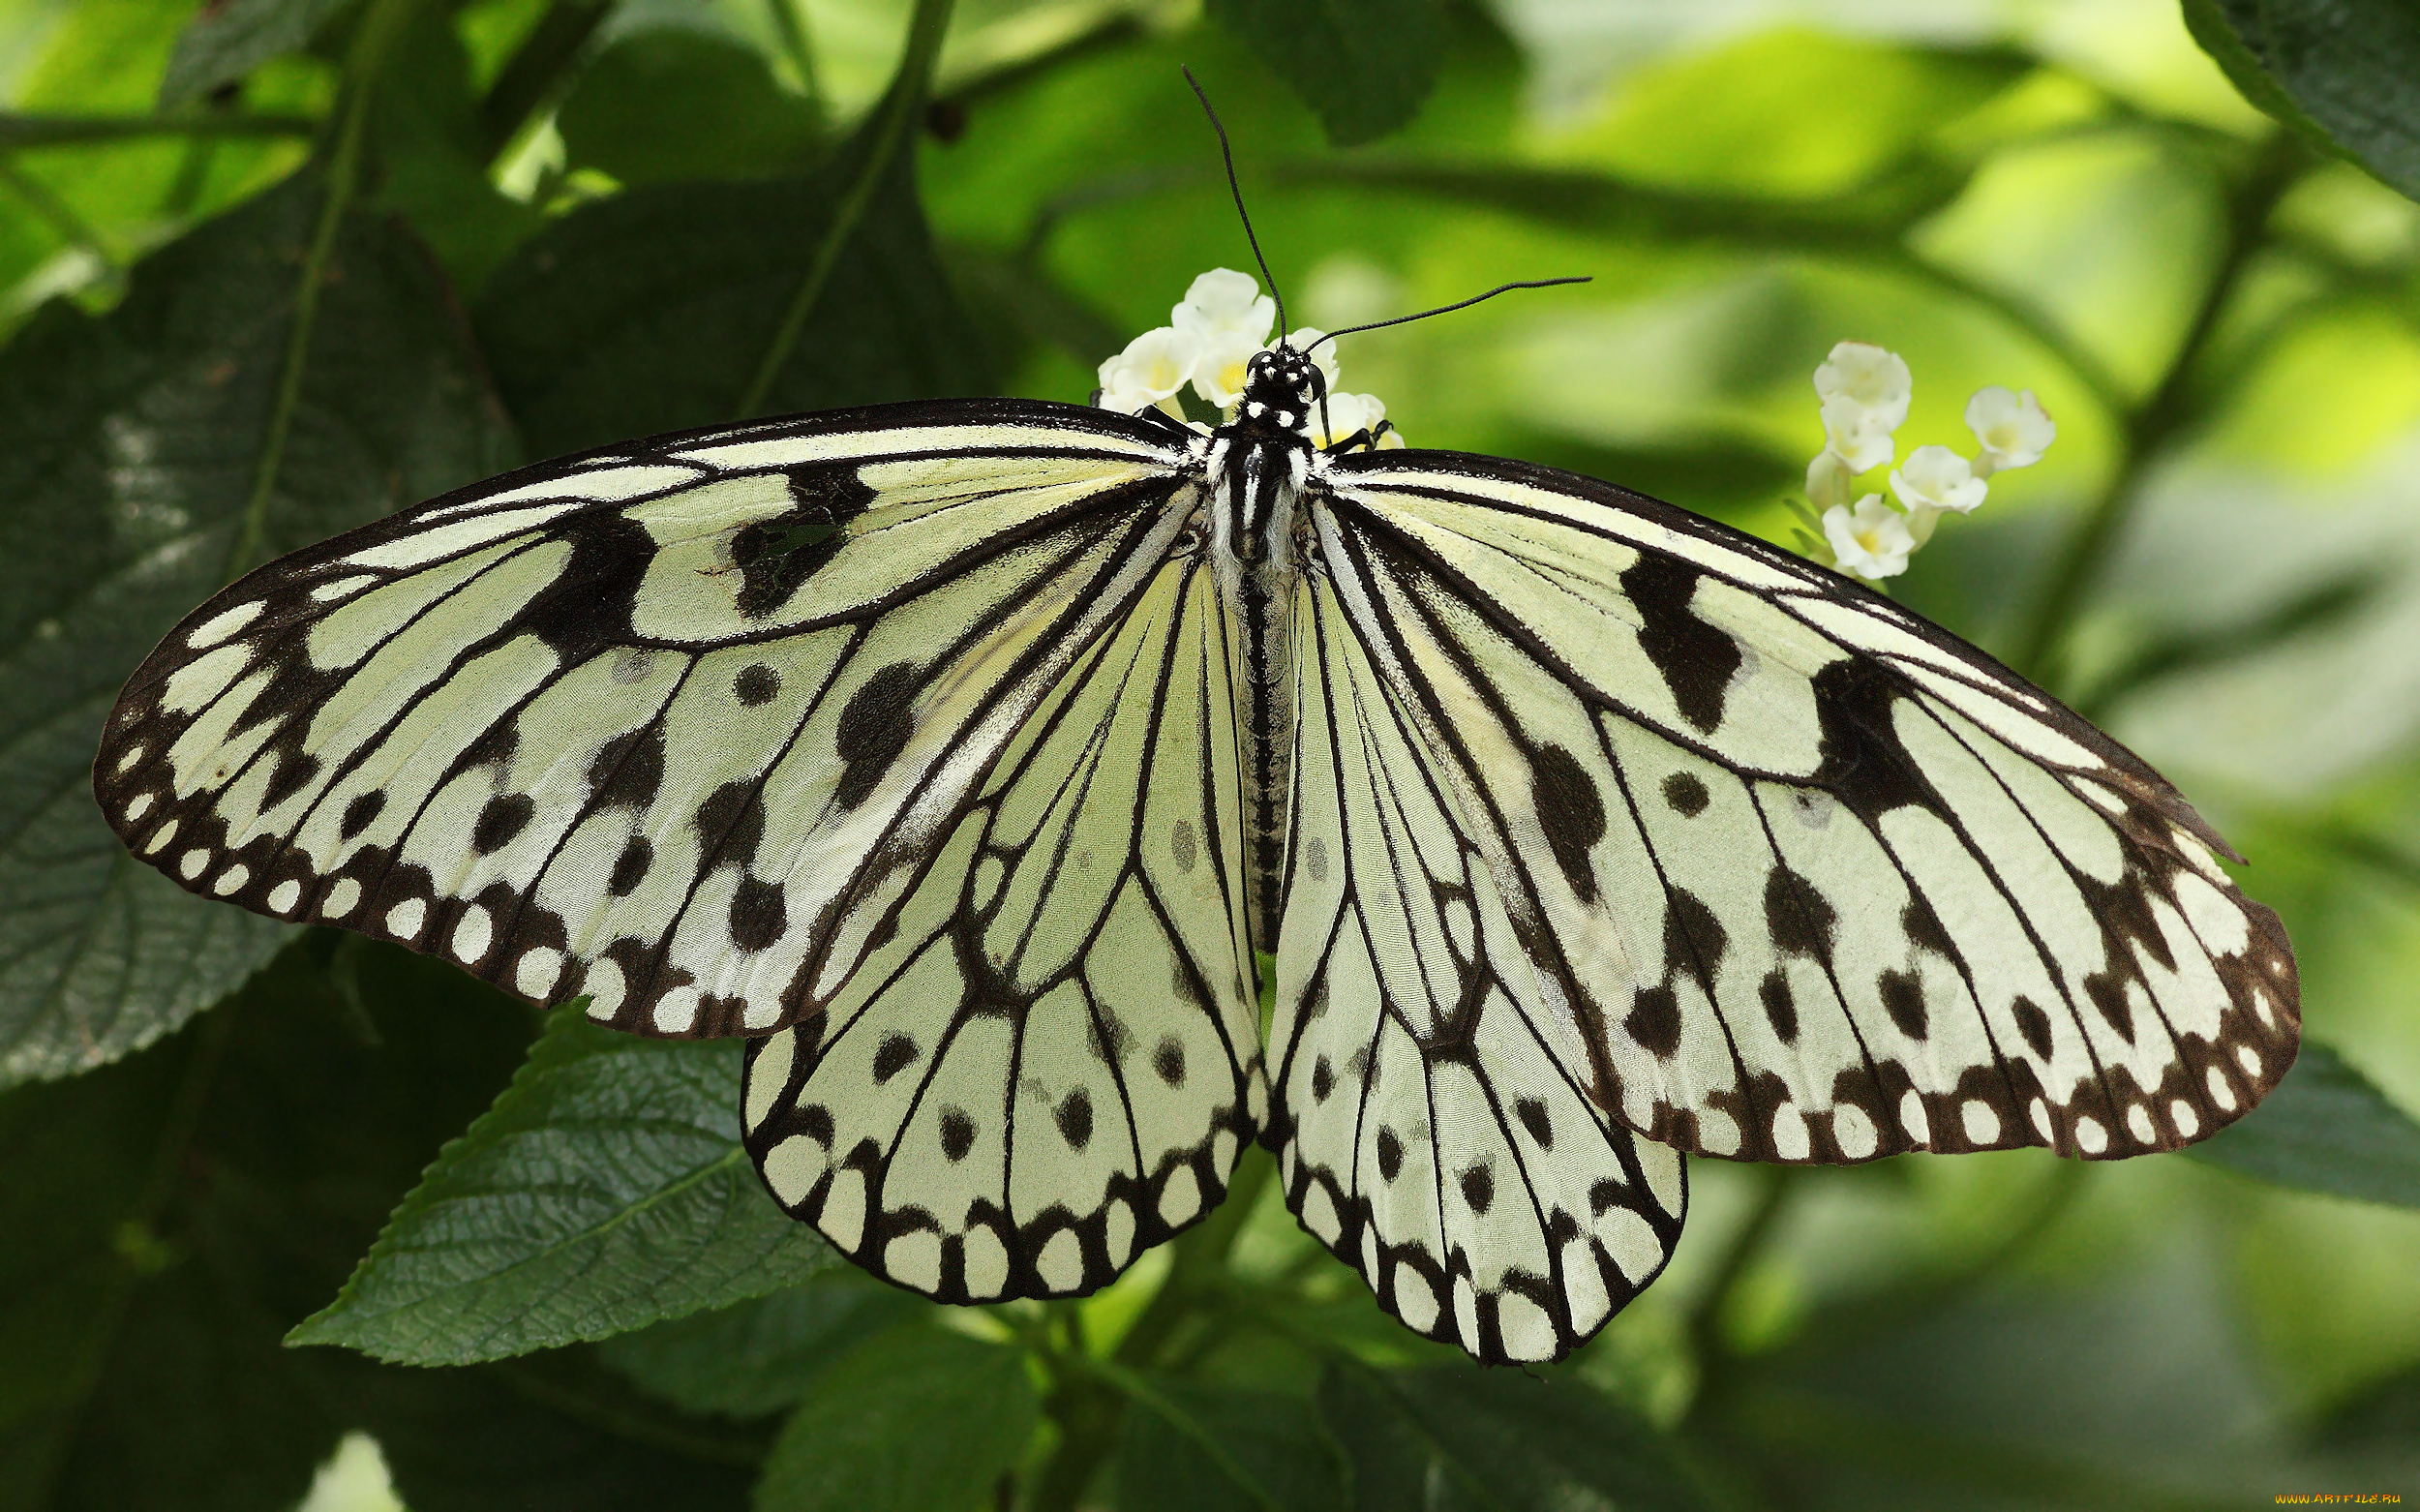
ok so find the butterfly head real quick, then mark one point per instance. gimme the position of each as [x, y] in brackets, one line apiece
[1281, 386]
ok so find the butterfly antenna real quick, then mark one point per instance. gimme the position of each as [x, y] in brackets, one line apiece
[1235, 189]
[1460, 303]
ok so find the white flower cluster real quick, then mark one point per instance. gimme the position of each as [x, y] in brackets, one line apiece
[1210, 339]
[1864, 394]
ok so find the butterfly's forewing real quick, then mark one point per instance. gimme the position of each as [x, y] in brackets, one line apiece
[669, 725]
[1828, 883]
[1050, 1060]
[1434, 1121]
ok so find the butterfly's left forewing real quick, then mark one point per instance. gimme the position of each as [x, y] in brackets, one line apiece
[668, 725]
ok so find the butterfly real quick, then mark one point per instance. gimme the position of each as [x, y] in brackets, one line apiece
[972, 757]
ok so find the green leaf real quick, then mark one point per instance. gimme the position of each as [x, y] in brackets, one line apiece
[130, 447]
[1456, 1437]
[1362, 65]
[917, 1420]
[229, 40]
[2325, 1128]
[554, 1431]
[675, 103]
[429, 140]
[1188, 1447]
[652, 311]
[165, 1219]
[606, 1189]
[756, 1357]
[2346, 72]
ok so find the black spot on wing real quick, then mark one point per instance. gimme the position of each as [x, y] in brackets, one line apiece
[1532, 1115]
[504, 816]
[1654, 1020]
[1322, 1079]
[1694, 939]
[630, 771]
[1696, 658]
[894, 1054]
[760, 914]
[1687, 794]
[1571, 812]
[1168, 1060]
[293, 772]
[495, 746]
[588, 607]
[958, 1133]
[1800, 920]
[2124, 909]
[361, 813]
[2033, 1024]
[775, 556]
[1864, 763]
[757, 683]
[875, 726]
[2108, 991]
[1390, 1155]
[1903, 999]
[1073, 1117]
[731, 822]
[630, 868]
[1923, 928]
[1781, 1005]
[1478, 1188]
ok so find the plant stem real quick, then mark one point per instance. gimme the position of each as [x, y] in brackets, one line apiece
[18, 132]
[1703, 1323]
[535, 72]
[800, 48]
[2157, 421]
[884, 138]
[1087, 1404]
[529, 1380]
[342, 175]
[46, 203]
[178, 1126]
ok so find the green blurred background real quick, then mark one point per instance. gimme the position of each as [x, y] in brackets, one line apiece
[2219, 560]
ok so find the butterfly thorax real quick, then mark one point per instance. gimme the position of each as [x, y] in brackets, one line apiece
[1257, 465]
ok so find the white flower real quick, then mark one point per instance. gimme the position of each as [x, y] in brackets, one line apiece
[1346, 415]
[1873, 541]
[1857, 434]
[1152, 368]
[1325, 359]
[1936, 477]
[1226, 358]
[1224, 302]
[1827, 481]
[1869, 377]
[1222, 325]
[2013, 428]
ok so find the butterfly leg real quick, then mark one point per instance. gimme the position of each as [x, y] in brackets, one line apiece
[1364, 438]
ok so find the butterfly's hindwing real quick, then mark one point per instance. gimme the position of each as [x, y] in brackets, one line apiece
[1050, 1059]
[658, 725]
[1435, 1122]
[1836, 885]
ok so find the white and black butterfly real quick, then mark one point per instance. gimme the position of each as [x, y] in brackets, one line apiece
[970, 753]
